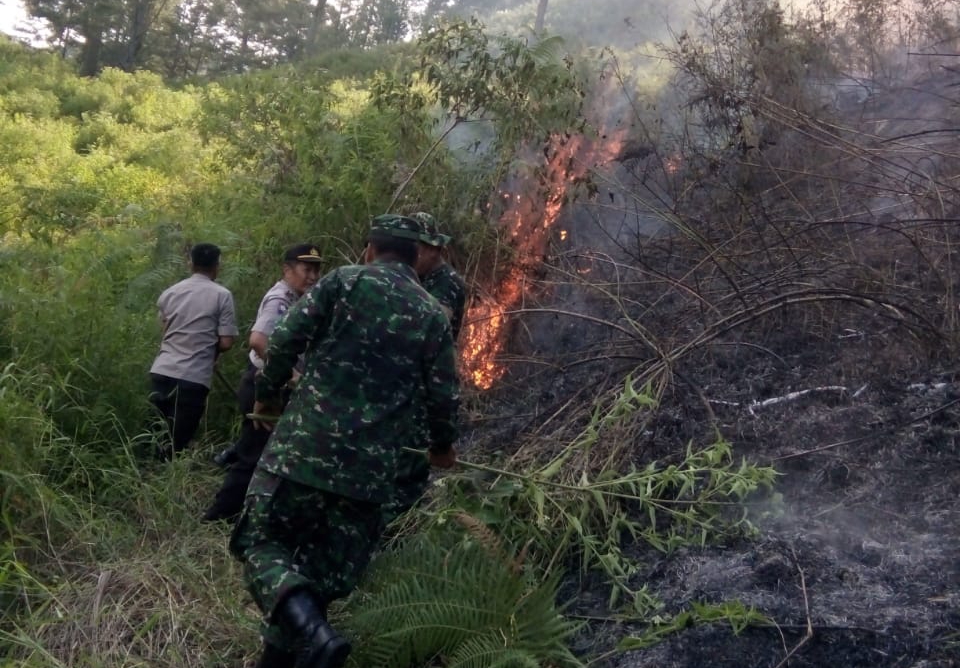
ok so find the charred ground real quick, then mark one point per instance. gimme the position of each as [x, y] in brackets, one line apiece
[822, 265]
[862, 545]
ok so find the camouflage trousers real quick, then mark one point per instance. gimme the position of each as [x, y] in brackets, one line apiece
[292, 536]
[413, 476]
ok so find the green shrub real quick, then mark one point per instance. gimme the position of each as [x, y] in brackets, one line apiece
[457, 600]
[32, 102]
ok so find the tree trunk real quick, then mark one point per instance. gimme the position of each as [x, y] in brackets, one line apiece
[319, 13]
[90, 55]
[541, 16]
[139, 24]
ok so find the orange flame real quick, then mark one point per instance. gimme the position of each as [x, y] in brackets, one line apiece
[529, 220]
[672, 163]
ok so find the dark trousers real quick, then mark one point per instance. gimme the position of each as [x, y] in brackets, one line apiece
[291, 536]
[413, 478]
[248, 448]
[181, 404]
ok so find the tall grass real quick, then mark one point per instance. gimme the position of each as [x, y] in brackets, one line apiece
[104, 185]
[103, 558]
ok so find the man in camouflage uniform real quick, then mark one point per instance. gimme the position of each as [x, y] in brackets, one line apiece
[378, 357]
[301, 269]
[440, 280]
[436, 275]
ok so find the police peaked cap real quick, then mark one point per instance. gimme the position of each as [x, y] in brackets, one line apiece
[303, 253]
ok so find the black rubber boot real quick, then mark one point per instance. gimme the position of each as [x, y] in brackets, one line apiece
[319, 645]
[226, 457]
[274, 657]
[217, 514]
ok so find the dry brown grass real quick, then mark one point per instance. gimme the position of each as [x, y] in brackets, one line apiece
[151, 586]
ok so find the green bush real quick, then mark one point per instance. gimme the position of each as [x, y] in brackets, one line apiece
[32, 102]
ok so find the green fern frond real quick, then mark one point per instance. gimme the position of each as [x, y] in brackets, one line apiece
[443, 597]
[491, 652]
[548, 50]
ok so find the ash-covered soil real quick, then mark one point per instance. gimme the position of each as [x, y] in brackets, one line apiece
[860, 545]
[864, 546]
[856, 559]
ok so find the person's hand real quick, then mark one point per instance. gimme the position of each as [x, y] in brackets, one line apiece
[446, 460]
[294, 379]
[265, 410]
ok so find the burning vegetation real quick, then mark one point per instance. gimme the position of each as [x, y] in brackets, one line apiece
[800, 300]
[534, 205]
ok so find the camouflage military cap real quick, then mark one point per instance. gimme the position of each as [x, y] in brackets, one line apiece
[424, 218]
[395, 225]
[431, 235]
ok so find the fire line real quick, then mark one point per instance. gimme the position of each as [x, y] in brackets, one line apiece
[535, 206]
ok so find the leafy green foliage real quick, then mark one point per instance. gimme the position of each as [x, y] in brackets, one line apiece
[440, 596]
[529, 91]
[106, 182]
[731, 612]
[191, 38]
[577, 506]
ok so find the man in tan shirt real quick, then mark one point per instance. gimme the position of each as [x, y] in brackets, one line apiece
[301, 269]
[198, 322]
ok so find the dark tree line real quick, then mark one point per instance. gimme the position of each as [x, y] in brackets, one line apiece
[183, 38]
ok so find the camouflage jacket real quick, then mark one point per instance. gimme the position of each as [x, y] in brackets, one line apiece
[449, 289]
[378, 355]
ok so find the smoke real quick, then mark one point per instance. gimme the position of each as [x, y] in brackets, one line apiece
[620, 24]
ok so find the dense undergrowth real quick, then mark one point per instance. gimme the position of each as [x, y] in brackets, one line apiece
[105, 183]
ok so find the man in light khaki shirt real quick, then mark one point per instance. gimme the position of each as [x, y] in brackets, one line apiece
[301, 269]
[199, 323]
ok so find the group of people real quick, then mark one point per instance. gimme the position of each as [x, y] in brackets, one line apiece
[350, 377]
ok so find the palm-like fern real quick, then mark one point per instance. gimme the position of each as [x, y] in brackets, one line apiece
[439, 598]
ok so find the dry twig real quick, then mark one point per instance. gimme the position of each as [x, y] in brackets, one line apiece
[806, 609]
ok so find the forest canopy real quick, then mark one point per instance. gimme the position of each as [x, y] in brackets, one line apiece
[189, 38]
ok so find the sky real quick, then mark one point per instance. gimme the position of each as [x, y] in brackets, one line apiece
[12, 16]
[11, 13]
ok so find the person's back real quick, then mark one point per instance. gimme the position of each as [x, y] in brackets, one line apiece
[198, 321]
[436, 275]
[440, 280]
[378, 358]
[448, 288]
[301, 269]
[381, 337]
[195, 311]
